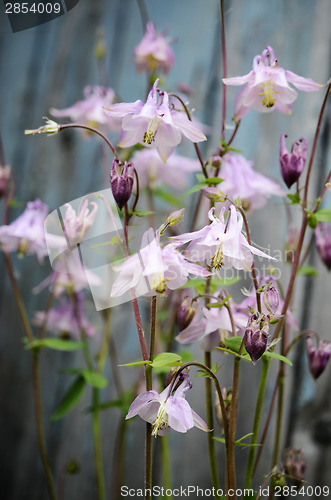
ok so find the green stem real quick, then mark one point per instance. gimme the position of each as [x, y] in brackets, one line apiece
[166, 469]
[257, 420]
[210, 423]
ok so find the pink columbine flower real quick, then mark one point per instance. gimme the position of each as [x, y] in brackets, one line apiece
[66, 319]
[153, 172]
[267, 87]
[26, 234]
[90, 110]
[323, 243]
[159, 269]
[153, 53]
[165, 411]
[221, 244]
[77, 225]
[155, 124]
[319, 356]
[241, 180]
[292, 164]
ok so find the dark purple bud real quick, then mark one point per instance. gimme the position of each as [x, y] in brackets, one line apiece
[318, 357]
[256, 336]
[271, 299]
[186, 312]
[121, 181]
[295, 465]
[292, 164]
[4, 179]
[323, 243]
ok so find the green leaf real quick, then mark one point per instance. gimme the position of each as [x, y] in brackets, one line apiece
[215, 282]
[57, 344]
[142, 213]
[295, 198]
[238, 442]
[95, 379]
[195, 188]
[137, 363]
[167, 196]
[234, 344]
[71, 398]
[274, 355]
[307, 271]
[323, 215]
[219, 304]
[244, 356]
[166, 359]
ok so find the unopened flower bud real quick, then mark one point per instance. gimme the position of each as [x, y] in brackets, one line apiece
[50, 128]
[323, 243]
[214, 194]
[292, 164]
[4, 179]
[256, 336]
[295, 465]
[318, 357]
[216, 161]
[121, 181]
[175, 217]
[186, 312]
[271, 299]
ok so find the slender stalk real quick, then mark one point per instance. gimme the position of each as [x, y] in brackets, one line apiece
[97, 445]
[224, 63]
[90, 129]
[166, 469]
[257, 420]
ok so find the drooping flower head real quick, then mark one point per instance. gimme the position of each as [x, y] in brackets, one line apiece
[241, 180]
[319, 356]
[167, 411]
[267, 87]
[154, 53]
[221, 244]
[90, 110]
[292, 164]
[256, 335]
[155, 124]
[121, 181]
[323, 243]
[26, 234]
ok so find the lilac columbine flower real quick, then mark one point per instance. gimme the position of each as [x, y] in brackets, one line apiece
[26, 234]
[318, 357]
[166, 411]
[256, 336]
[66, 319]
[76, 226]
[241, 180]
[5, 171]
[121, 181]
[292, 164]
[153, 53]
[155, 123]
[323, 243]
[267, 87]
[90, 110]
[161, 269]
[221, 244]
[153, 172]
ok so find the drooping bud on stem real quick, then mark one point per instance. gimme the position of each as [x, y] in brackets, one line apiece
[318, 357]
[292, 164]
[186, 312]
[256, 335]
[271, 299]
[121, 181]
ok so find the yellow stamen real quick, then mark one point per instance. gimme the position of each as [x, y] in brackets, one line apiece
[216, 261]
[149, 135]
[161, 420]
[268, 92]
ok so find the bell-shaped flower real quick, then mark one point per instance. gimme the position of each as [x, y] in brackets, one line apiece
[121, 181]
[292, 164]
[76, 226]
[153, 172]
[26, 234]
[67, 319]
[90, 110]
[256, 336]
[155, 124]
[266, 87]
[323, 243]
[167, 411]
[154, 53]
[241, 180]
[221, 244]
[319, 356]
